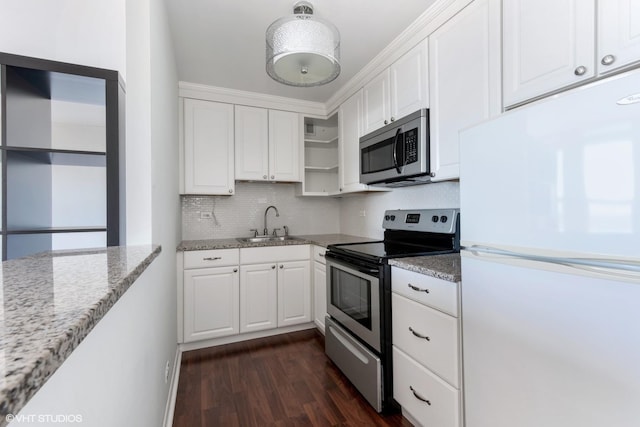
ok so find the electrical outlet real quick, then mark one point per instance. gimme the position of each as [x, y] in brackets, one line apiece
[206, 215]
[363, 212]
[166, 372]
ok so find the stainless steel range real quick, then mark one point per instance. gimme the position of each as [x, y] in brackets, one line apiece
[358, 328]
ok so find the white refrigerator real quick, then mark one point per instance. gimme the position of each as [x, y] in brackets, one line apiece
[550, 229]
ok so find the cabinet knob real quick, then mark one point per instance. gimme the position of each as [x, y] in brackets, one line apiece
[264, 176]
[273, 267]
[341, 189]
[273, 177]
[608, 60]
[281, 266]
[230, 191]
[432, 174]
[386, 122]
[393, 119]
[579, 71]
[235, 270]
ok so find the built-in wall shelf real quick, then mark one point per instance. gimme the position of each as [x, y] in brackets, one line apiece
[320, 156]
[62, 131]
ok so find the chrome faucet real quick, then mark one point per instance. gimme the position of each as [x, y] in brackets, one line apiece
[266, 230]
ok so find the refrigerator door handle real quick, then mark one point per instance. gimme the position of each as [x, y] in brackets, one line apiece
[595, 265]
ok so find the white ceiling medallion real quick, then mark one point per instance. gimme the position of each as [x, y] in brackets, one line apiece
[303, 50]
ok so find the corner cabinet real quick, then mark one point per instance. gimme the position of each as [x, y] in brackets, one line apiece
[320, 156]
[208, 144]
[267, 145]
[551, 45]
[464, 88]
[62, 129]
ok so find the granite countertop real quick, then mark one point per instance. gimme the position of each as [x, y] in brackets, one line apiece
[311, 239]
[50, 303]
[445, 267]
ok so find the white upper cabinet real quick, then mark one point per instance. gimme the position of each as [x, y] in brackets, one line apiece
[208, 147]
[410, 82]
[349, 125]
[376, 102]
[252, 143]
[284, 145]
[465, 86]
[399, 90]
[550, 45]
[618, 34]
[267, 144]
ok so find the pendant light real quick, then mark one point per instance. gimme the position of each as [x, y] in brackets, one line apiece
[303, 50]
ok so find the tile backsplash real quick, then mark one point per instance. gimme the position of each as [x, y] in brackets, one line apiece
[233, 216]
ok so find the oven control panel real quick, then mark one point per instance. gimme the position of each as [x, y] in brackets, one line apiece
[426, 220]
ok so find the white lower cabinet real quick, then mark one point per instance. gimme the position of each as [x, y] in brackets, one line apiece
[319, 287]
[210, 303]
[427, 373]
[294, 293]
[235, 291]
[258, 297]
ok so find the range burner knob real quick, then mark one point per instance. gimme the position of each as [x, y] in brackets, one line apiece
[435, 218]
[443, 218]
[393, 217]
[387, 217]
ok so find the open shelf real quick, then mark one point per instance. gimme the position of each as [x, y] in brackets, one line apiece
[55, 230]
[333, 168]
[311, 140]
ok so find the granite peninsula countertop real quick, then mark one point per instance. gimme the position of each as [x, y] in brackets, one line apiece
[50, 302]
[445, 267]
[308, 239]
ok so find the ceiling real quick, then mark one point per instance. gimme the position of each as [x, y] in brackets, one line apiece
[221, 42]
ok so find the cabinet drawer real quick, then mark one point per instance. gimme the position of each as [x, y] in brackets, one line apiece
[431, 291]
[413, 321]
[413, 383]
[318, 253]
[211, 258]
[275, 254]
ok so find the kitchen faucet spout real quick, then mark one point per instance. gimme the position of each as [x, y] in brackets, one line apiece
[266, 230]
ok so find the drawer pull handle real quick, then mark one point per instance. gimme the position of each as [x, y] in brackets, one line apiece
[419, 335]
[417, 289]
[419, 397]
[212, 258]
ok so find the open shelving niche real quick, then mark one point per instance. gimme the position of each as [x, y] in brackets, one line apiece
[62, 128]
[320, 156]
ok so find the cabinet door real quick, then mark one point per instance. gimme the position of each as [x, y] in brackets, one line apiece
[465, 88]
[349, 124]
[409, 82]
[294, 293]
[252, 143]
[618, 34]
[319, 294]
[258, 297]
[211, 301]
[376, 102]
[546, 42]
[208, 147]
[284, 146]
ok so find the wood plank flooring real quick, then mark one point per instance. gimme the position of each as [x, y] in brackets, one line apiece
[285, 380]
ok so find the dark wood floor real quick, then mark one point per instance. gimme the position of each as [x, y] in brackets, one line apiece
[285, 380]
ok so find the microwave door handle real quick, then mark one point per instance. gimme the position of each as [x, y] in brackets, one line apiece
[395, 151]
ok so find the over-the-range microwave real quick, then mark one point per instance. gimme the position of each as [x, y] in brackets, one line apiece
[397, 155]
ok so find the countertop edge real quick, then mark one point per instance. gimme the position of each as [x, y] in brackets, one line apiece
[14, 396]
[303, 239]
[444, 267]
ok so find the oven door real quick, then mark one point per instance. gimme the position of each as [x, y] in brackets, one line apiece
[353, 299]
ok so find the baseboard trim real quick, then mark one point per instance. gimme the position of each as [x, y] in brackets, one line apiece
[173, 390]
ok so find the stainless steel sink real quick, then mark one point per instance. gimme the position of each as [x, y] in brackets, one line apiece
[266, 239]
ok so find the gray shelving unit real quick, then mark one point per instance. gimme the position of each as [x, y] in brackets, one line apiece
[62, 139]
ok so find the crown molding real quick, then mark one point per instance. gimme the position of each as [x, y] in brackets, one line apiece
[254, 99]
[432, 18]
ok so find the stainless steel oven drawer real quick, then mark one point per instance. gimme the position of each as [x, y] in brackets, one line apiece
[358, 363]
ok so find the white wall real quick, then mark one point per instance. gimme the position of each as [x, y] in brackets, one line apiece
[428, 196]
[76, 31]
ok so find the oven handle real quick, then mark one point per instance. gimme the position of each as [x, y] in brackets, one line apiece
[364, 270]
